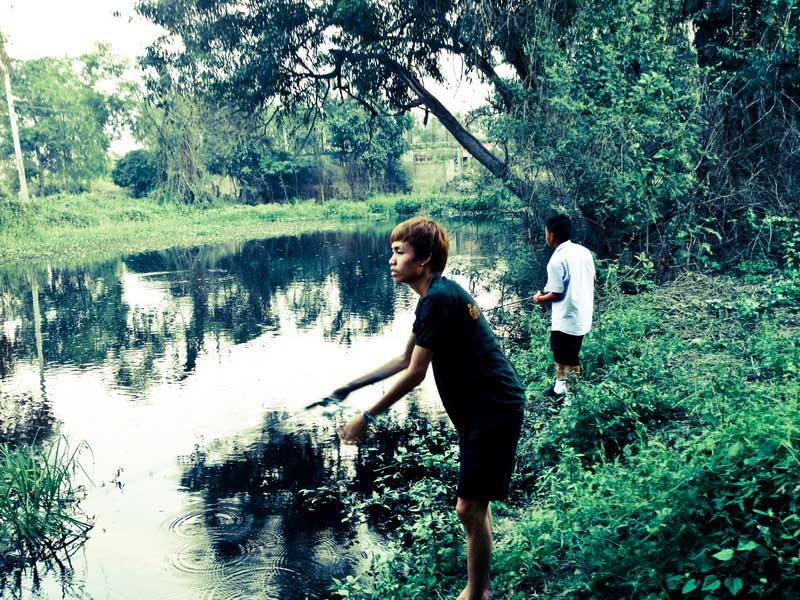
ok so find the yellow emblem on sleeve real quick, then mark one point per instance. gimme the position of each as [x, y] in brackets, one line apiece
[474, 311]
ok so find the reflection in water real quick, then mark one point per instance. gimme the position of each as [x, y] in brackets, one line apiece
[254, 531]
[154, 354]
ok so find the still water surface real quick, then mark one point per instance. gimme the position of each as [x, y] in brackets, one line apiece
[186, 372]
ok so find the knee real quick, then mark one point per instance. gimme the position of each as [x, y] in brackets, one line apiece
[471, 513]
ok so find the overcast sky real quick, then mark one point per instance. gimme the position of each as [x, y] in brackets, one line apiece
[36, 28]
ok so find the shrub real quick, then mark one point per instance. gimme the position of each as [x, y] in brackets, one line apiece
[706, 516]
[137, 171]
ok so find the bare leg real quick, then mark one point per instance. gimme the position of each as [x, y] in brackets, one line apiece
[476, 517]
[568, 373]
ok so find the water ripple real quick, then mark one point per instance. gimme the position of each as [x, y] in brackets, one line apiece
[227, 518]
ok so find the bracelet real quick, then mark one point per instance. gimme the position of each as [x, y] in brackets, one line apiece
[368, 418]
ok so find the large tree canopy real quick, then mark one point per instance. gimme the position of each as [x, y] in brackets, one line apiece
[302, 51]
[655, 120]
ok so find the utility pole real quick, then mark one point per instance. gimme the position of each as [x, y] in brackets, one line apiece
[5, 67]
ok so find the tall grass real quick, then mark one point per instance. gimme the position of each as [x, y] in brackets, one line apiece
[40, 515]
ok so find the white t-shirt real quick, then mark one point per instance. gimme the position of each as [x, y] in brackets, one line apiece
[570, 272]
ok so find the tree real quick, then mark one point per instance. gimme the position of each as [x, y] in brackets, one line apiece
[301, 52]
[751, 50]
[138, 171]
[195, 142]
[5, 67]
[65, 123]
[599, 108]
[369, 147]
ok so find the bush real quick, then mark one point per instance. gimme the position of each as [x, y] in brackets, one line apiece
[137, 171]
[706, 517]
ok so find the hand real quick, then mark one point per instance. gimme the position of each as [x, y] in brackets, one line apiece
[341, 393]
[354, 431]
[537, 298]
[335, 397]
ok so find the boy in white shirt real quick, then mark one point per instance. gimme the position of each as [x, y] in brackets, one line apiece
[570, 289]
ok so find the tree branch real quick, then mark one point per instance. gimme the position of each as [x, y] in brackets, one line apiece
[469, 142]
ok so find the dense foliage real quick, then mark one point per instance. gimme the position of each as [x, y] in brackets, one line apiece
[667, 127]
[65, 119]
[206, 150]
[369, 147]
[137, 170]
[671, 472]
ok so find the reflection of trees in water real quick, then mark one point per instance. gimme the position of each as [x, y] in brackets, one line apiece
[334, 280]
[25, 419]
[265, 480]
[338, 280]
[8, 348]
[271, 471]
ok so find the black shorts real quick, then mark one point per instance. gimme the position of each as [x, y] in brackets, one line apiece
[566, 348]
[486, 459]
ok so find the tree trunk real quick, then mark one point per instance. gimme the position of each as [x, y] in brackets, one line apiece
[469, 142]
[12, 116]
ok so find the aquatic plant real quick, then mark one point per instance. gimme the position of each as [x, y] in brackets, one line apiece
[40, 515]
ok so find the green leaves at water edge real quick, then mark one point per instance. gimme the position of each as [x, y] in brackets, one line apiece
[39, 504]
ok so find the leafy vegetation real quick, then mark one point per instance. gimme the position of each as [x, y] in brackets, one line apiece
[65, 122]
[40, 515]
[672, 471]
[57, 228]
[137, 170]
[653, 122]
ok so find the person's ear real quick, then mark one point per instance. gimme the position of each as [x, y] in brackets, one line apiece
[423, 262]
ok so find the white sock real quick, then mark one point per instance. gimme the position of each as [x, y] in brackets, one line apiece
[560, 386]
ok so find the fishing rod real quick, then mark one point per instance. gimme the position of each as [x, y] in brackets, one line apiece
[334, 400]
[512, 303]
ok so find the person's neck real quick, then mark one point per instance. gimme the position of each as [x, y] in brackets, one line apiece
[422, 284]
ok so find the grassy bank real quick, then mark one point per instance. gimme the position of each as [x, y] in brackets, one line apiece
[671, 472]
[91, 226]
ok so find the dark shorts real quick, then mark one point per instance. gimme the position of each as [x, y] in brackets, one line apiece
[566, 348]
[487, 459]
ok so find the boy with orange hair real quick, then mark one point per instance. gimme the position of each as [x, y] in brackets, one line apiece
[478, 386]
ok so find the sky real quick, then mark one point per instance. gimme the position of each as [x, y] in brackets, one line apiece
[59, 28]
[37, 28]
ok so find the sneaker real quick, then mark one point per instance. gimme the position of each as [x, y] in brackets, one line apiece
[551, 392]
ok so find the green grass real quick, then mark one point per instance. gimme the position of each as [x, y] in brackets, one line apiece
[68, 228]
[40, 514]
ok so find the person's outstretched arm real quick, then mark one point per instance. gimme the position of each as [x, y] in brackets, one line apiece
[386, 370]
[412, 376]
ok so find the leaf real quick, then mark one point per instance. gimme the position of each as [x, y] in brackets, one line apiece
[734, 585]
[711, 583]
[746, 546]
[690, 586]
[735, 450]
[724, 555]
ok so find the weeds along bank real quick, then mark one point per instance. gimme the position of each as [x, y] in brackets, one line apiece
[672, 471]
[96, 225]
[40, 505]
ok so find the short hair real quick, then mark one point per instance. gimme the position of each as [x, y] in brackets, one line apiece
[428, 239]
[560, 226]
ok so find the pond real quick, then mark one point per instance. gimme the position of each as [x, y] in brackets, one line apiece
[186, 372]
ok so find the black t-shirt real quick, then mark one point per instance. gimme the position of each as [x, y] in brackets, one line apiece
[477, 384]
